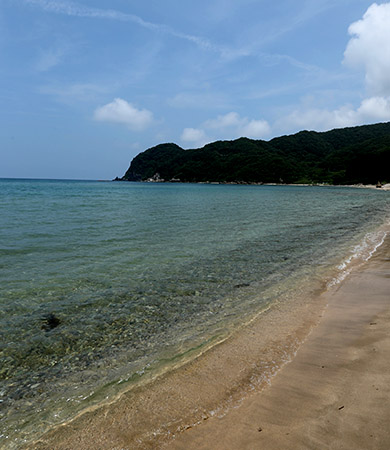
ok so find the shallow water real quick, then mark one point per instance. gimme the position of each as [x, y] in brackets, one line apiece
[138, 276]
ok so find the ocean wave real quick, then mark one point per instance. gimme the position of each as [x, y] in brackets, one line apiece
[360, 253]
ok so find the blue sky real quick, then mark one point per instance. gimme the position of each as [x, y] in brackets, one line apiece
[87, 85]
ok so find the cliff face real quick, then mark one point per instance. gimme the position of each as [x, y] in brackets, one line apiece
[341, 156]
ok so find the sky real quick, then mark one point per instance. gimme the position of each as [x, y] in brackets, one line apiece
[87, 85]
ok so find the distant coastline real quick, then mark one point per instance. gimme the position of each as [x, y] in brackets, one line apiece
[347, 156]
[383, 187]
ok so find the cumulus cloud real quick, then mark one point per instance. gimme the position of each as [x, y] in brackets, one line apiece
[228, 126]
[369, 48]
[233, 125]
[194, 136]
[256, 129]
[318, 119]
[120, 111]
[375, 108]
[371, 110]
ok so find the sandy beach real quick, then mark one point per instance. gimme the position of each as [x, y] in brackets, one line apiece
[246, 394]
[334, 394]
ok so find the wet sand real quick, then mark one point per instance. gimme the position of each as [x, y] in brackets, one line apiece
[335, 393]
[245, 394]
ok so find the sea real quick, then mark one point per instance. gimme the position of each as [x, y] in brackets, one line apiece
[105, 285]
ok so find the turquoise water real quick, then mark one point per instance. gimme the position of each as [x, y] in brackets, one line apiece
[103, 284]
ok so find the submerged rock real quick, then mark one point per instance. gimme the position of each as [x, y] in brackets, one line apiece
[50, 321]
[241, 285]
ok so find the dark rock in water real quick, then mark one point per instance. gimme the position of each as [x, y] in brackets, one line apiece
[241, 285]
[131, 175]
[50, 321]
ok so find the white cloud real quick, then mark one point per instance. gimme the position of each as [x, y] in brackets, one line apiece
[77, 10]
[369, 47]
[194, 136]
[371, 110]
[228, 126]
[120, 111]
[257, 129]
[318, 119]
[234, 126]
[375, 108]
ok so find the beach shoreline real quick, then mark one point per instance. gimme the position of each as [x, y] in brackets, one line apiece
[334, 394]
[206, 390]
[218, 380]
[381, 187]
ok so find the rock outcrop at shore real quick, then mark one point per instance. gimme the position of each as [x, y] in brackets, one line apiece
[341, 156]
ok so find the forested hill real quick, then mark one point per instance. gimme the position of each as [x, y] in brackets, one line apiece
[342, 156]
